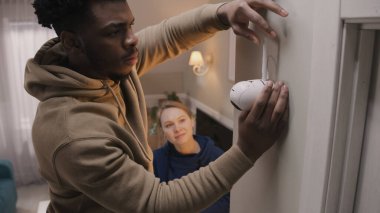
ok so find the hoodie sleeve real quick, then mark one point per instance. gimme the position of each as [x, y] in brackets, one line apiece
[111, 178]
[177, 34]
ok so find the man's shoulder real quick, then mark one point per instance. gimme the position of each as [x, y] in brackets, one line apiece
[75, 118]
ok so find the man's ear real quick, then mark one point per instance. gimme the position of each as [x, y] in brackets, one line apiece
[70, 41]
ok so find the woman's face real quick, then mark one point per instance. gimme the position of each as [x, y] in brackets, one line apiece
[177, 126]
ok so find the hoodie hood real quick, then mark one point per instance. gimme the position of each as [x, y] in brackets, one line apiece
[46, 76]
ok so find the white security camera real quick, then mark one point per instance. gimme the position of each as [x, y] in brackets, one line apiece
[244, 93]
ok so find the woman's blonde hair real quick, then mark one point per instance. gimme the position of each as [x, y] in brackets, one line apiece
[172, 104]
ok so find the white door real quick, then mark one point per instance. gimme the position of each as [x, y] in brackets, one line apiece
[367, 199]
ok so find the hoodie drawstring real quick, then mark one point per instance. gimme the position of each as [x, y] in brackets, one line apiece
[126, 120]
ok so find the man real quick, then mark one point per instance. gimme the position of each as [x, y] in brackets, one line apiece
[90, 128]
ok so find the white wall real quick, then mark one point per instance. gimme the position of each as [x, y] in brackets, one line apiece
[213, 89]
[360, 9]
[273, 185]
[294, 176]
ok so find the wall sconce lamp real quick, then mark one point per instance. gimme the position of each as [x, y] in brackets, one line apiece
[200, 68]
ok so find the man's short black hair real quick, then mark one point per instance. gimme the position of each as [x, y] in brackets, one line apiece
[62, 15]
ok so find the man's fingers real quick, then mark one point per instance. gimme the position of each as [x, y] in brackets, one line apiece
[260, 103]
[259, 21]
[281, 107]
[243, 116]
[283, 122]
[270, 5]
[246, 32]
[239, 13]
[272, 102]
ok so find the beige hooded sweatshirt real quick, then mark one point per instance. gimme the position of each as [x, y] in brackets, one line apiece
[90, 135]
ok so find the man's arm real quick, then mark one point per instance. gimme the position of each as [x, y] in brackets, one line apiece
[177, 34]
[103, 172]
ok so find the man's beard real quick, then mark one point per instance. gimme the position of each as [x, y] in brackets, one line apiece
[120, 76]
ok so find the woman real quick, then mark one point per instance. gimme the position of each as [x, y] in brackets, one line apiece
[184, 152]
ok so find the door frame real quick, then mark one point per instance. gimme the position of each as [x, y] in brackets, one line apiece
[332, 146]
[354, 82]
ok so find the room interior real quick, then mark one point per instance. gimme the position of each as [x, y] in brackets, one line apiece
[326, 162]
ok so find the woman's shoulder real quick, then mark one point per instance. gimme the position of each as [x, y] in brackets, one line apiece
[208, 146]
[205, 141]
[162, 151]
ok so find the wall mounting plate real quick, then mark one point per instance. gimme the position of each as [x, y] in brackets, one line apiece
[269, 66]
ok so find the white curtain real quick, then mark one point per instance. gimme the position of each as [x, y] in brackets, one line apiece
[20, 38]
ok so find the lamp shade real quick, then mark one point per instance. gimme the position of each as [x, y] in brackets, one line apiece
[196, 59]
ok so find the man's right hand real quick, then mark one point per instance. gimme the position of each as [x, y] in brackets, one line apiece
[262, 125]
[239, 13]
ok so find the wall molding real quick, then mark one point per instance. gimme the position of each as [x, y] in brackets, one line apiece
[324, 69]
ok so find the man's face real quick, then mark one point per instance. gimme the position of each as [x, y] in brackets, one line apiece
[108, 40]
